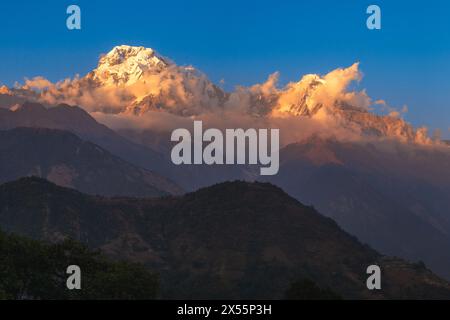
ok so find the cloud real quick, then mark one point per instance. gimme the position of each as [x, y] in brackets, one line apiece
[313, 92]
[172, 96]
[5, 90]
[38, 83]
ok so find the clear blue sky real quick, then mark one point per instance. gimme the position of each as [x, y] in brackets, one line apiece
[242, 42]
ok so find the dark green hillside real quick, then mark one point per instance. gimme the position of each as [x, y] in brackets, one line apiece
[30, 269]
[231, 240]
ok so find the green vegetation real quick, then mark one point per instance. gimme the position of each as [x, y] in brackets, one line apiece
[31, 269]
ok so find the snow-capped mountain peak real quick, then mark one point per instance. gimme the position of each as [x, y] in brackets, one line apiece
[140, 80]
[135, 80]
[125, 65]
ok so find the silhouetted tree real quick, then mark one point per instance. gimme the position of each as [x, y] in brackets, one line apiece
[31, 269]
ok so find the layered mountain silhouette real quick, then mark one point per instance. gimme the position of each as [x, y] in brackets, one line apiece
[378, 177]
[147, 149]
[386, 195]
[67, 160]
[232, 240]
[78, 121]
[390, 195]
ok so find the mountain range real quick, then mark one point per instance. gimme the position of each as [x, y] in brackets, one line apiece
[385, 198]
[138, 81]
[231, 240]
[390, 195]
[378, 177]
[64, 158]
[79, 122]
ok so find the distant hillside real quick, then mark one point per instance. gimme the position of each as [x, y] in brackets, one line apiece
[78, 121]
[384, 194]
[65, 159]
[232, 240]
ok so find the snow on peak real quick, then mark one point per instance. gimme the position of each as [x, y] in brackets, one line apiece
[136, 80]
[125, 65]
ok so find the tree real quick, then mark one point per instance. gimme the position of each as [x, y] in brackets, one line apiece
[31, 269]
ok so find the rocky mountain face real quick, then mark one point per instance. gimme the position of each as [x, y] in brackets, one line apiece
[232, 240]
[132, 80]
[67, 160]
[152, 82]
[126, 65]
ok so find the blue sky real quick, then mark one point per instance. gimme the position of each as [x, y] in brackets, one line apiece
[242, 42]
